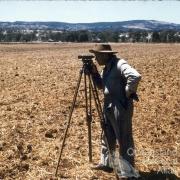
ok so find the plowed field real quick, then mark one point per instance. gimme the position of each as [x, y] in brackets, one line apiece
[37, 83]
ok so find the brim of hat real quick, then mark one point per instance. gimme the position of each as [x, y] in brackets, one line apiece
[93, 51]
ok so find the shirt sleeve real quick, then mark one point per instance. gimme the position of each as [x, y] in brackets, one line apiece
[131, 75]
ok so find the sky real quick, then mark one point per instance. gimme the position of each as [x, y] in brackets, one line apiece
[89, 11]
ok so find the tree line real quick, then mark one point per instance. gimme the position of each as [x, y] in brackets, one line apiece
[88, 36]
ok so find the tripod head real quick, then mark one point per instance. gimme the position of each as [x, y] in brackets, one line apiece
[87, 61]
[86, 58]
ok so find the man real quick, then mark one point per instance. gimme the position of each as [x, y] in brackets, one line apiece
[119, 82]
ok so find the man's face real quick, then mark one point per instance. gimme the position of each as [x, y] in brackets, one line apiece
[102, 58]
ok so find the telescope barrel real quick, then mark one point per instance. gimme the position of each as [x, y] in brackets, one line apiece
[85, 57]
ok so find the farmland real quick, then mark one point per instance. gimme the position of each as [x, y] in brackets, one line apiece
[37, 83]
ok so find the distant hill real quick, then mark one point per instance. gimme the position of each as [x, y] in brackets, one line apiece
[149, 25]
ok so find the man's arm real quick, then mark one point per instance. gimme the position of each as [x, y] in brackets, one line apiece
[131, 75]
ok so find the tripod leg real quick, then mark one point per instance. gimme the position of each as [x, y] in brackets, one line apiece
[89, 124]
[88, 116]
[96, 98]
[69, 120]
[99, 109]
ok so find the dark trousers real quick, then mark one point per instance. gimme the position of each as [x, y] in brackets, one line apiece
[118, 124]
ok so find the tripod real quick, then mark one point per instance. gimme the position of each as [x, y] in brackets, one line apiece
[90, 91]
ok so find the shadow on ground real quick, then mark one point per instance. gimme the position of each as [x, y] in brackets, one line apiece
[155, 175]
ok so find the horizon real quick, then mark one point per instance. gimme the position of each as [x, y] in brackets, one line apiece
[89, 22]
[89, 11]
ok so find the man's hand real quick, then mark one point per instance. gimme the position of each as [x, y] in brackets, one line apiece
[128, 91]
[94, 69]
[131, 94]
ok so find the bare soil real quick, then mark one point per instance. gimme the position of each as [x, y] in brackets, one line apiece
[37, 83]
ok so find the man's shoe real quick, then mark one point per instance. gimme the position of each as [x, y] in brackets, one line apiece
[127, 178]
[102, 167]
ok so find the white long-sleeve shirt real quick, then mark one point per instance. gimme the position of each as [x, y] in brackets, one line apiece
[119, 80]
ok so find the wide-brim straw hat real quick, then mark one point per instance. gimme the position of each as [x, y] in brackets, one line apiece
[102, 48]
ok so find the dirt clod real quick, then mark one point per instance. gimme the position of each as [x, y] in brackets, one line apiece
[2, 145]
[23, 167]
[51, 133]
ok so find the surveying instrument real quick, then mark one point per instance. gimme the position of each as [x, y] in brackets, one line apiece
[90, 90]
